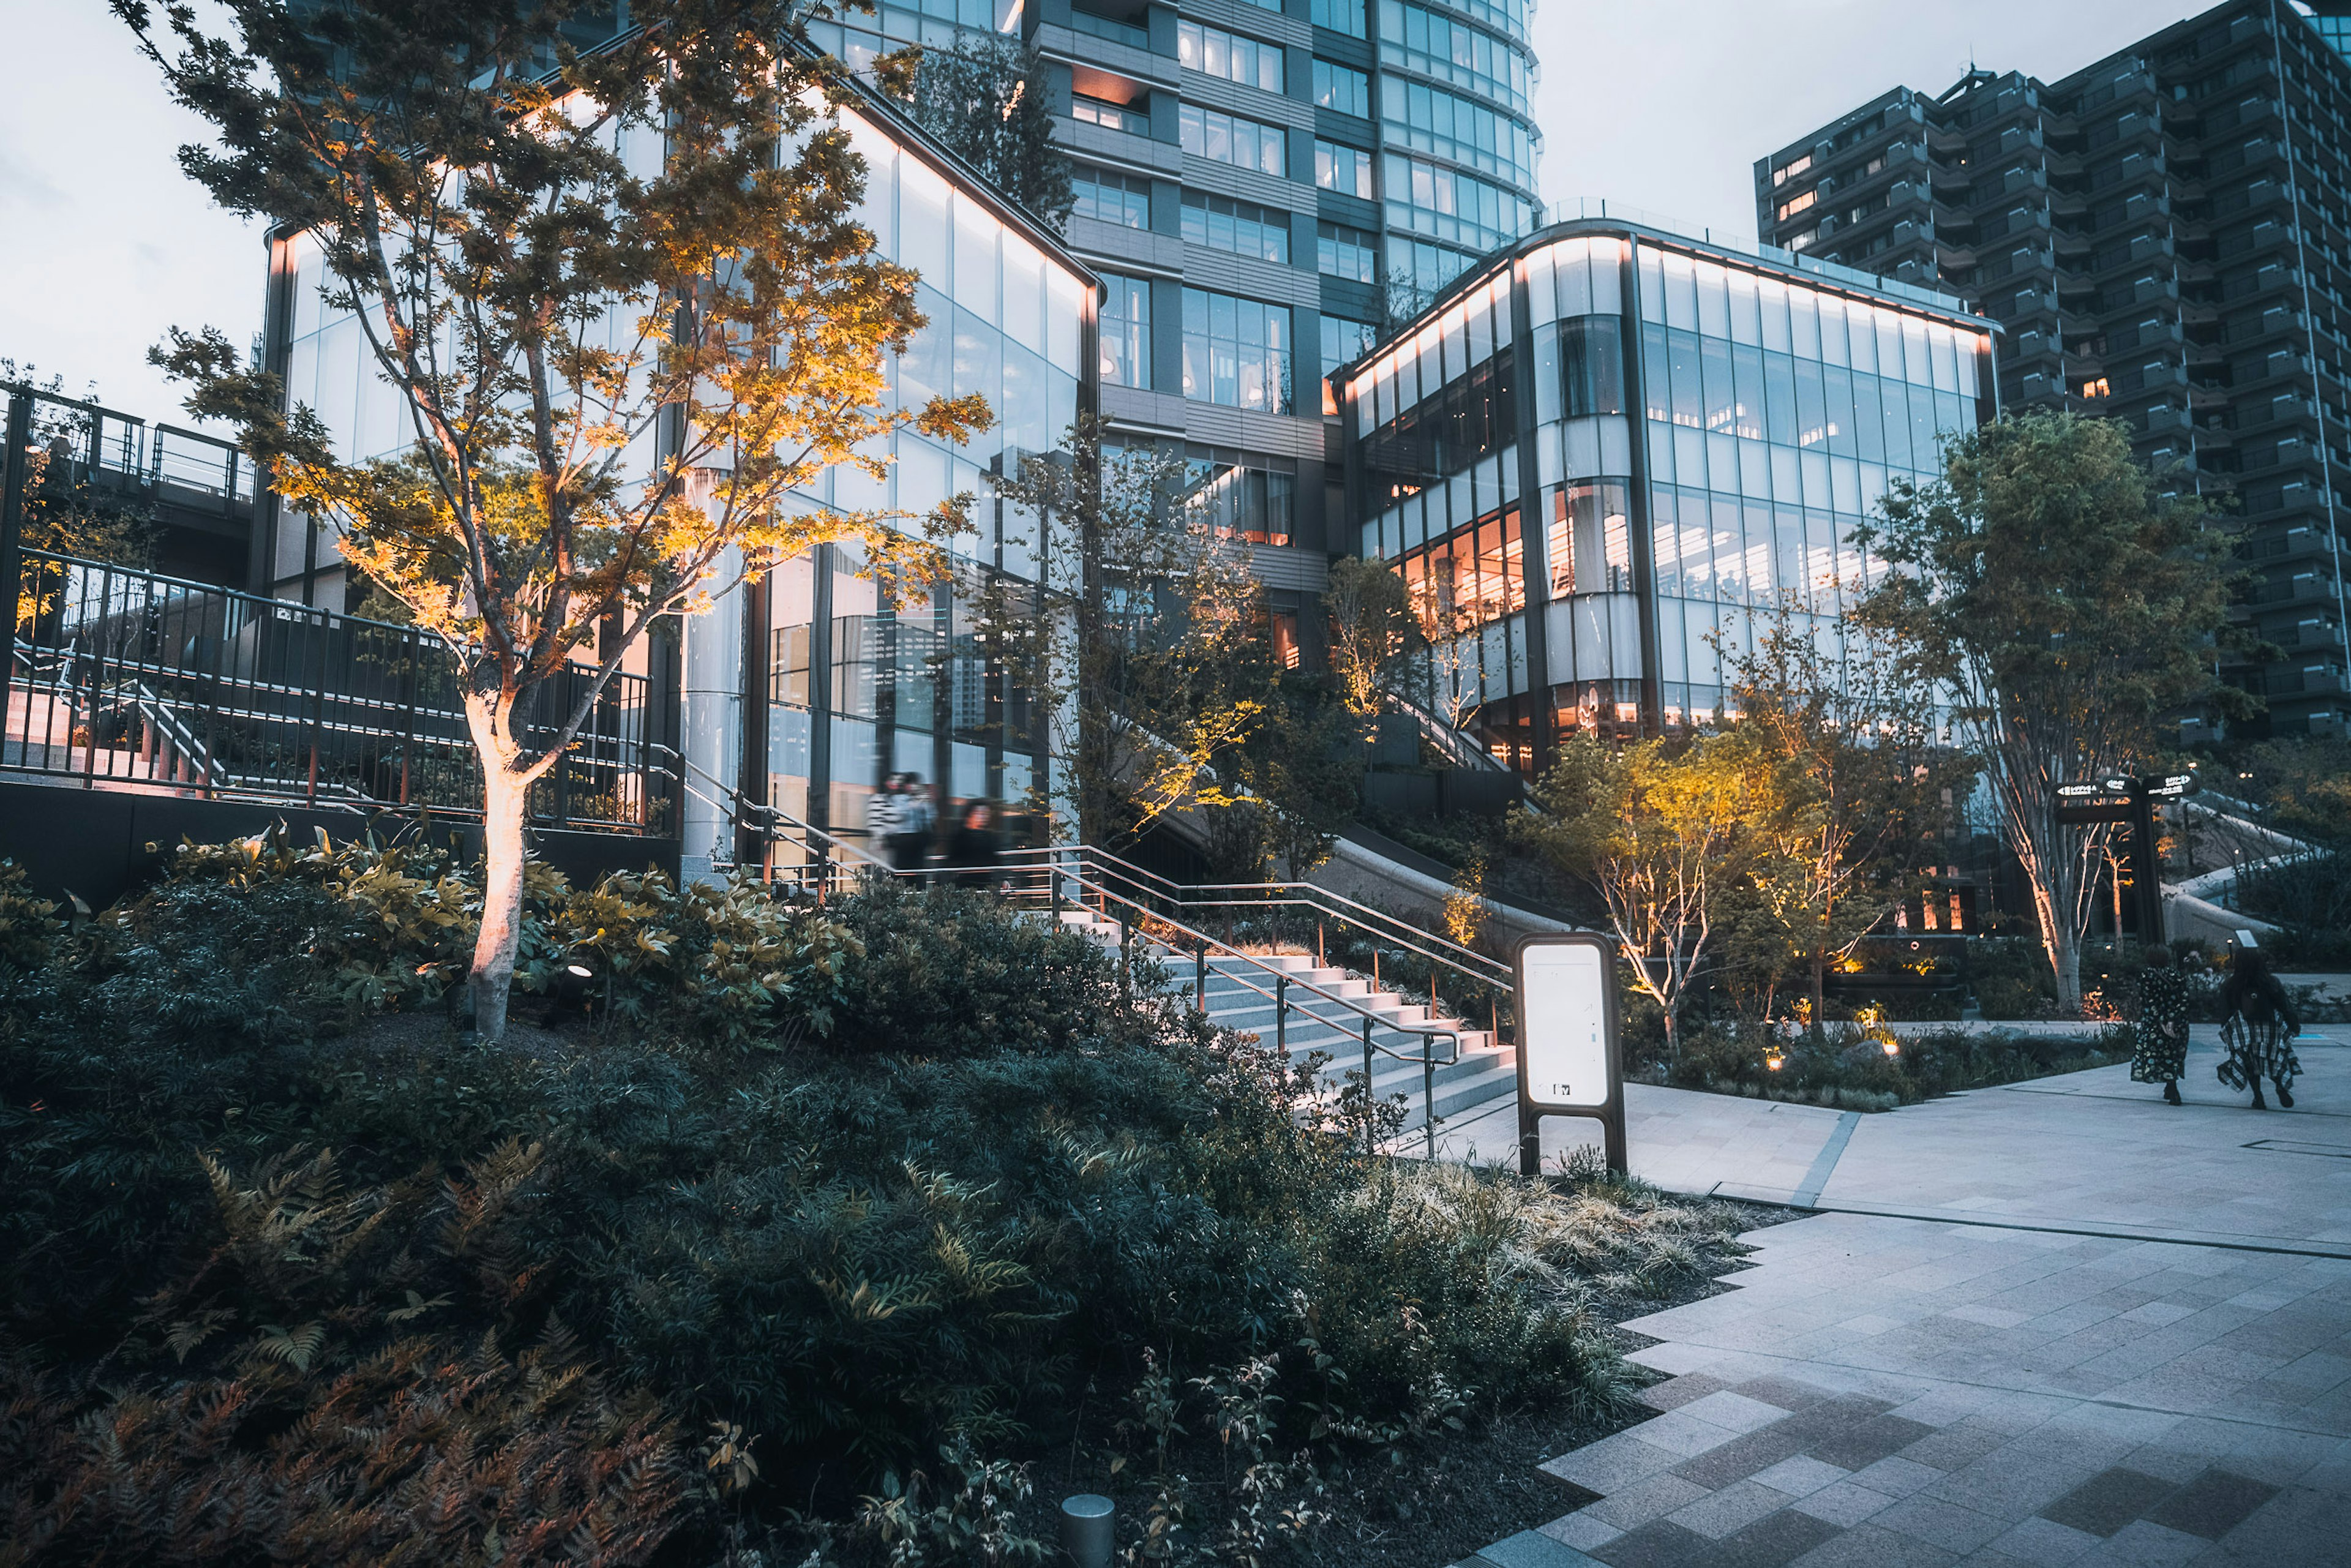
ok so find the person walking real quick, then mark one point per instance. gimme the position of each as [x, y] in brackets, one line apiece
[2159, 1036]
[974, 851]
[2258, 1025]
[882, 811]
[910, 851]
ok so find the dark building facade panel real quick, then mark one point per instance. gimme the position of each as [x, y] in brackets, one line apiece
[2165, 236]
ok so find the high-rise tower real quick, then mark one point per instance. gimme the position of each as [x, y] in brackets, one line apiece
[2165, 238]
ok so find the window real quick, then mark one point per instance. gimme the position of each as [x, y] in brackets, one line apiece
[1790, 170]
[1430, 120]
[1343, 252]
[1342, 88]
[1110, 197]
[1591, 538]
[1345, 169]
[1129, 118]
[1111, 28]
[1125, 331]
[1418, 270]
[1472, 575]
[1228, 139]
[1214, 52]
[2096, 389]
[1794, 204]
[1242, 228]
[1235, 351]
[1240, 498]
[1340, 16]
[1342, 340]
[1591, 365]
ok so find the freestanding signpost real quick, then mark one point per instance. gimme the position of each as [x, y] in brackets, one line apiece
[2131, 802]
[1568, 1057]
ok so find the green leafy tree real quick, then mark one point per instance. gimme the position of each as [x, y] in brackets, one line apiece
[1846, 787]
[1655, 831]
[1372, 632]
[2061, 603]
[986, 99]
[1151, 658]
[611, 365]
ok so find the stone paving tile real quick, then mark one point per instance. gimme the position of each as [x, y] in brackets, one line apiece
[1955, 1528]
[1677, 1391]
[1643, 1501]
[1719, 1514]
[1867, 1546]
[2211, 1504]
[2143, 1545]
[1866, 1442]
[1845, 1503]
[1580, 1530]
[2108, 1500]
[1657, 1545]
[1772, 1540]
[1799, 1476]
[1611, 1464]
[2042, 1541]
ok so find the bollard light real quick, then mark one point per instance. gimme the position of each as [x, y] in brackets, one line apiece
[1086, 1529]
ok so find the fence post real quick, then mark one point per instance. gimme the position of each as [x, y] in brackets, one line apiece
[411, 653]
[12, 539]
[1125, 963]
[1200, 978]
[1320, 961]
[1282, 1015]
[1369, 1149]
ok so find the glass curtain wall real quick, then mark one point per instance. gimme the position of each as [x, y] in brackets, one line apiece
[909, 688]
[1706, 438]
[1775, 416]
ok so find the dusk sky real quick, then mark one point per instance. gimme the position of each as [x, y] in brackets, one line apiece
[1663, 104]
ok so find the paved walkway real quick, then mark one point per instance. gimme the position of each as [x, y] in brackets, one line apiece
[2060, 1323]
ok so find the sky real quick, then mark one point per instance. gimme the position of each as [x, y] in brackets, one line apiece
[1664, 104]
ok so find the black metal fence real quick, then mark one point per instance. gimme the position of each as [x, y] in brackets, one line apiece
[121, 676]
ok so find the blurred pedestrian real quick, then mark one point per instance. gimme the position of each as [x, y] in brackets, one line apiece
[910, 847]
[882, 813]
[975, 850]
[2159, 1036]
[2258, 1025]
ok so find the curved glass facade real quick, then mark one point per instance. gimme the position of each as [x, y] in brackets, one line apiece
[1599, 460]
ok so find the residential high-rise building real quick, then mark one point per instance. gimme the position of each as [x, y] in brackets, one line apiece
[1263, 185]
[2165, 238]
[1607, 449]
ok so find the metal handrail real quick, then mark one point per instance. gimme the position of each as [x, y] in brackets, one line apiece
[1458, 956]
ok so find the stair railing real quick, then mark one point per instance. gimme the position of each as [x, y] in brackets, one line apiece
[1060, 878]
[1488, 976]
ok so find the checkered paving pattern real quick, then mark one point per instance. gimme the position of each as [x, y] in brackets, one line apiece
[1892, 1391]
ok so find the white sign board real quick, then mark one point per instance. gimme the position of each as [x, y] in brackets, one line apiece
[1563, 1024]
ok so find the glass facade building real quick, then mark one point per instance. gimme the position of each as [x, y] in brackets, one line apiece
[1607, 449]
[803, 688]
[1265, 185]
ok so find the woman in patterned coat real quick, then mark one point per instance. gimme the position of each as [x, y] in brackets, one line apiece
[2159, 1038]
[2258, 1029]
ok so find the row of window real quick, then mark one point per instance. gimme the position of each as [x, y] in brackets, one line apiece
[1344, 89]
[1456, 208]
[1439, 46]
[1430, 119]
[1228, 55]
[1235, 352]
[1223, 138]
[1242, 228]
[1737, 389]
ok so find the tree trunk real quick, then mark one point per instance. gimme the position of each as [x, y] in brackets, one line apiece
[505, 790]
[2058, 941]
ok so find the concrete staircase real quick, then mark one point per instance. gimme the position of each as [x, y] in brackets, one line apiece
[1240, 996]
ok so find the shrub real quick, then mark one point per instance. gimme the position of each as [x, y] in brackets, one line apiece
[847, 1187]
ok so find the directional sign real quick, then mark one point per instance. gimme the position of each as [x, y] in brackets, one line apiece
[1568, 1060]
[2172, 786]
